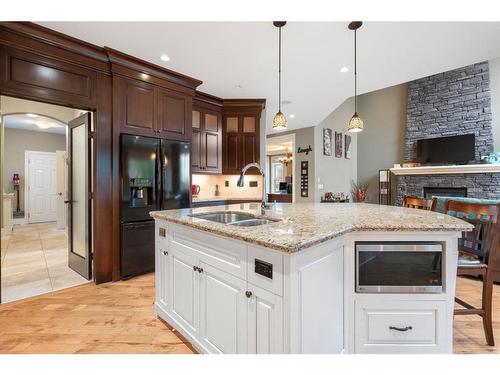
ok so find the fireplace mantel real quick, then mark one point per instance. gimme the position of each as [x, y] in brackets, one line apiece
[447, 169]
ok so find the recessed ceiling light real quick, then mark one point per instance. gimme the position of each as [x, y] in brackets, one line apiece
[286, 102]
[164, 58]
[31, 115]
[238, 86]
[292, 116]
[44, 125]
[344, 69]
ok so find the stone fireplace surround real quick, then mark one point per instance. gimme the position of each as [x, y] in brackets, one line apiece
[451, 103]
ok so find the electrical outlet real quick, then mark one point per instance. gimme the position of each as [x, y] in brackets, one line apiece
[253, 184]
[226, 183]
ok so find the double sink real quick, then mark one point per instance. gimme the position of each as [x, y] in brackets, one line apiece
[238, 219]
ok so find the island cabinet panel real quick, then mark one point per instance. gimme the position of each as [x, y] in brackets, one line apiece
[184, 289]
[265, 322]
[223, 311]
[162, 268]
[317, 308]
[206, 127]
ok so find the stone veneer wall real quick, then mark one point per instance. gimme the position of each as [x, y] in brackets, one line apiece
[450, 103]
[479, 185]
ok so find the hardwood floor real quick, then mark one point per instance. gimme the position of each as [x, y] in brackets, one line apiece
[119, 318]
[106, 318]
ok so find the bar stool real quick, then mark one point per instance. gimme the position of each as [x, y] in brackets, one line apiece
[479, 255]
[420, 203]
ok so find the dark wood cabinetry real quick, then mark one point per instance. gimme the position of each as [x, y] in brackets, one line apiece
[241, 133]
[150, 100]
[206, 140]
[145, 109]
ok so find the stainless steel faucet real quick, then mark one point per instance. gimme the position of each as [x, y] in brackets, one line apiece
[241, 182]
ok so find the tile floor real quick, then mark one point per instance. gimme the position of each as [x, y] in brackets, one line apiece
[34, 260]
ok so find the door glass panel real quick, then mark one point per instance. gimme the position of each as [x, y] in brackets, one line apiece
[248, 124]
[79, 189]
[196, 120]
[232, 125]
[211, 122]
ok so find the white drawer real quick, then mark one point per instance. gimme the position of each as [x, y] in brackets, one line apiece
[267, 259]
[399, 326]
[217, 251]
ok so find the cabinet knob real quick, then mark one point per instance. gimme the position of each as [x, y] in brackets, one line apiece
[248, 294]
[195, 268]
[165, 252]
[200, 270]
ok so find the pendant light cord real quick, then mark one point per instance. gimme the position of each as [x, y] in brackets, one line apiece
[279, 70]
[355, 76]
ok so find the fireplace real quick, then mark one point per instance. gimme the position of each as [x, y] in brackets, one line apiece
[430, 192]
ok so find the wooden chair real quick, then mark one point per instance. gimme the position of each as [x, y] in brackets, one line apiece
[420, 203]
[479, 255]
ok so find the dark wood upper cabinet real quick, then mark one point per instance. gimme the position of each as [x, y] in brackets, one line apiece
[206, 127]
[241, 134]
[151, 100]
[173, 114]
[139, 107]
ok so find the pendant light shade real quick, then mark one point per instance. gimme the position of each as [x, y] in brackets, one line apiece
[279, 120]
[356, 123]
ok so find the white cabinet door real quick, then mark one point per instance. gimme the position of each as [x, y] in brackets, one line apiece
[162, 269]
[184, 289]
[265, 322]
[223, 311]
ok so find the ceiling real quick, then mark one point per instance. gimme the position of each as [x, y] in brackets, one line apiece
[39, 123]
[275, 147]
[239, 60]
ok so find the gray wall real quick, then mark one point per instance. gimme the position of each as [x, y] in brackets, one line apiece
[335, 174]
[450, 103]
[16, 142]
[495, 101]
[381, 144]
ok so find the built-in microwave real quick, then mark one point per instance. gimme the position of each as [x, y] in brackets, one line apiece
[399, 267]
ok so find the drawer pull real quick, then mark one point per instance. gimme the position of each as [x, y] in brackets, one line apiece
[401, 329]
[165, 252]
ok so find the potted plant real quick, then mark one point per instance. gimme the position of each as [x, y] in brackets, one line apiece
[359, 191]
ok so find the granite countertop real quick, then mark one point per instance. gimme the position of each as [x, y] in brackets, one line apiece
[303, 225]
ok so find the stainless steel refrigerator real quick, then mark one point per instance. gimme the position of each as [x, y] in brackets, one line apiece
[155, 175]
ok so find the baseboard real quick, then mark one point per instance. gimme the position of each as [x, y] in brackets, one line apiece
[19, 221]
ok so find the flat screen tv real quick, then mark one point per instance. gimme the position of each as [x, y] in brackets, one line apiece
[446, 150]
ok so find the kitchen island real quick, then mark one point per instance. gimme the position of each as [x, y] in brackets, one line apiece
[232, 279]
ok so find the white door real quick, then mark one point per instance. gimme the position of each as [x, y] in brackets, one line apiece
[223, 312]
[184, 291]
[265, 322]
[41, 186]
[61, 187]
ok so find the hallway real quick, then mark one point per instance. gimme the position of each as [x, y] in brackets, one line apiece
[34, 261]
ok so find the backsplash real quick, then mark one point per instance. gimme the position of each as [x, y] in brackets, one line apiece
[208, 185]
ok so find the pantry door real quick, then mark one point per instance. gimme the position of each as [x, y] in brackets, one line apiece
[79, 195]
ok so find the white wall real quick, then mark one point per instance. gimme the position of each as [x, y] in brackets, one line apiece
[335, 174]
[495, 101]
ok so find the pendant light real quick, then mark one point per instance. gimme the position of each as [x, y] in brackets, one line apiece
[279, 120]
[356, 123]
